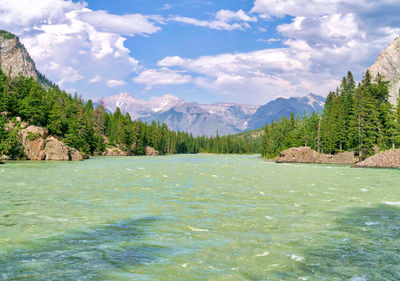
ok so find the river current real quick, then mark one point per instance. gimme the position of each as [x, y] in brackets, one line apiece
[197, 217]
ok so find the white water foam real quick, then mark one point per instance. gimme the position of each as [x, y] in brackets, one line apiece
[198, 229]
[359, 278]
[391, 203]
[371, 223]
[296, 258]
[263, 254]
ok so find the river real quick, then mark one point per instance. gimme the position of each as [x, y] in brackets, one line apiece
[197, 217]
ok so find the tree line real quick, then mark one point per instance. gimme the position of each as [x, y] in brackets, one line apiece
[91, 129]
[355, 118]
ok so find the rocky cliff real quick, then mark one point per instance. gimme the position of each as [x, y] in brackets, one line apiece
[388, 65]
[14, 58]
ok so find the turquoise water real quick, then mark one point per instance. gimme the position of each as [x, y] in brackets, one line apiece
[197, 217]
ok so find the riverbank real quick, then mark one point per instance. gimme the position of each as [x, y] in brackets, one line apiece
[389, 159]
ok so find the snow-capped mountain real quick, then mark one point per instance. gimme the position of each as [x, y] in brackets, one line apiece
[138, 108]
[207, 119]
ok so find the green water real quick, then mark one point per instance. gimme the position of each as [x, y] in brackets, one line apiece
[197, 217]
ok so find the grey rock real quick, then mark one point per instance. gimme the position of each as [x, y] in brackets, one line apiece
[388, 65]
[56, 150]
[14, 58]
[33, 141]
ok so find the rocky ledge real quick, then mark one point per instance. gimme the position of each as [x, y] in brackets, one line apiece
[38, 145]
[385, 159]
[307, 155]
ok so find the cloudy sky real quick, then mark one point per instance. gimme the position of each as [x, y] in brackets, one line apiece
[242, 51]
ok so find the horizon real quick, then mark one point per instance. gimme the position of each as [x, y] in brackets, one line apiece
[244, 52]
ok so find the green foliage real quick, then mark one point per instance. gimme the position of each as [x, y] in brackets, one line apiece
[6, 35]
[9, 144]
[32, 136]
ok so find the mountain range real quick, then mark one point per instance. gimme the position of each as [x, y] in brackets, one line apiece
[208, 119]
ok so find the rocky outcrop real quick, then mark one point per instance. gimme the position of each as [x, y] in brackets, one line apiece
[385, 159]
[150, 151]
[114, 151]
[37, 145]
[33, 140]
[307, 155]
[388, 65]
[14, 58]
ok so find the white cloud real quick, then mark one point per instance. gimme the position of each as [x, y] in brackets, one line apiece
[163, 76]
[255, 77]
[69, 74]
[228, 15]
[95, 79]
[224, 20]
[16, 14]
[121, 24]
[280, 8]
[62, 35]
[115, 83]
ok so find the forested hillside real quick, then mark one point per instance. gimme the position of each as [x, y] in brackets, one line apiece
[358, 118]
[90, 130]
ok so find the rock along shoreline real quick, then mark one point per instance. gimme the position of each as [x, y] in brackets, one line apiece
[389, 159]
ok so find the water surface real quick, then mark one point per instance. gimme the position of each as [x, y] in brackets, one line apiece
[197, 217]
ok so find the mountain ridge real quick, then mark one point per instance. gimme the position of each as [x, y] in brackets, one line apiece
[15, 59]
[208, 119]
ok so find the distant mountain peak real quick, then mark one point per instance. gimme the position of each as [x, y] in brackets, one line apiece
[207, 119]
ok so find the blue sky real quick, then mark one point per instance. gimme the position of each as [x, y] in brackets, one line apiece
[204, 51]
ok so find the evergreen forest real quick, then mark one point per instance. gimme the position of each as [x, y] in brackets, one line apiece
[355, 118]
[90, 129]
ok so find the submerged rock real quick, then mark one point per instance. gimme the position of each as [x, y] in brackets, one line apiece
[385, 159]
[307, 155]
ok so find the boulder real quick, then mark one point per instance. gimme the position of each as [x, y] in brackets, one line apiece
[307, 155]
[150, 151]
[56, 150]
[114, 151]
[5, 157]
[74, 155]
[385, 159]
[33, 141]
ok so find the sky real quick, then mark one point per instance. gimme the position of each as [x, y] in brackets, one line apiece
[202, 50]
